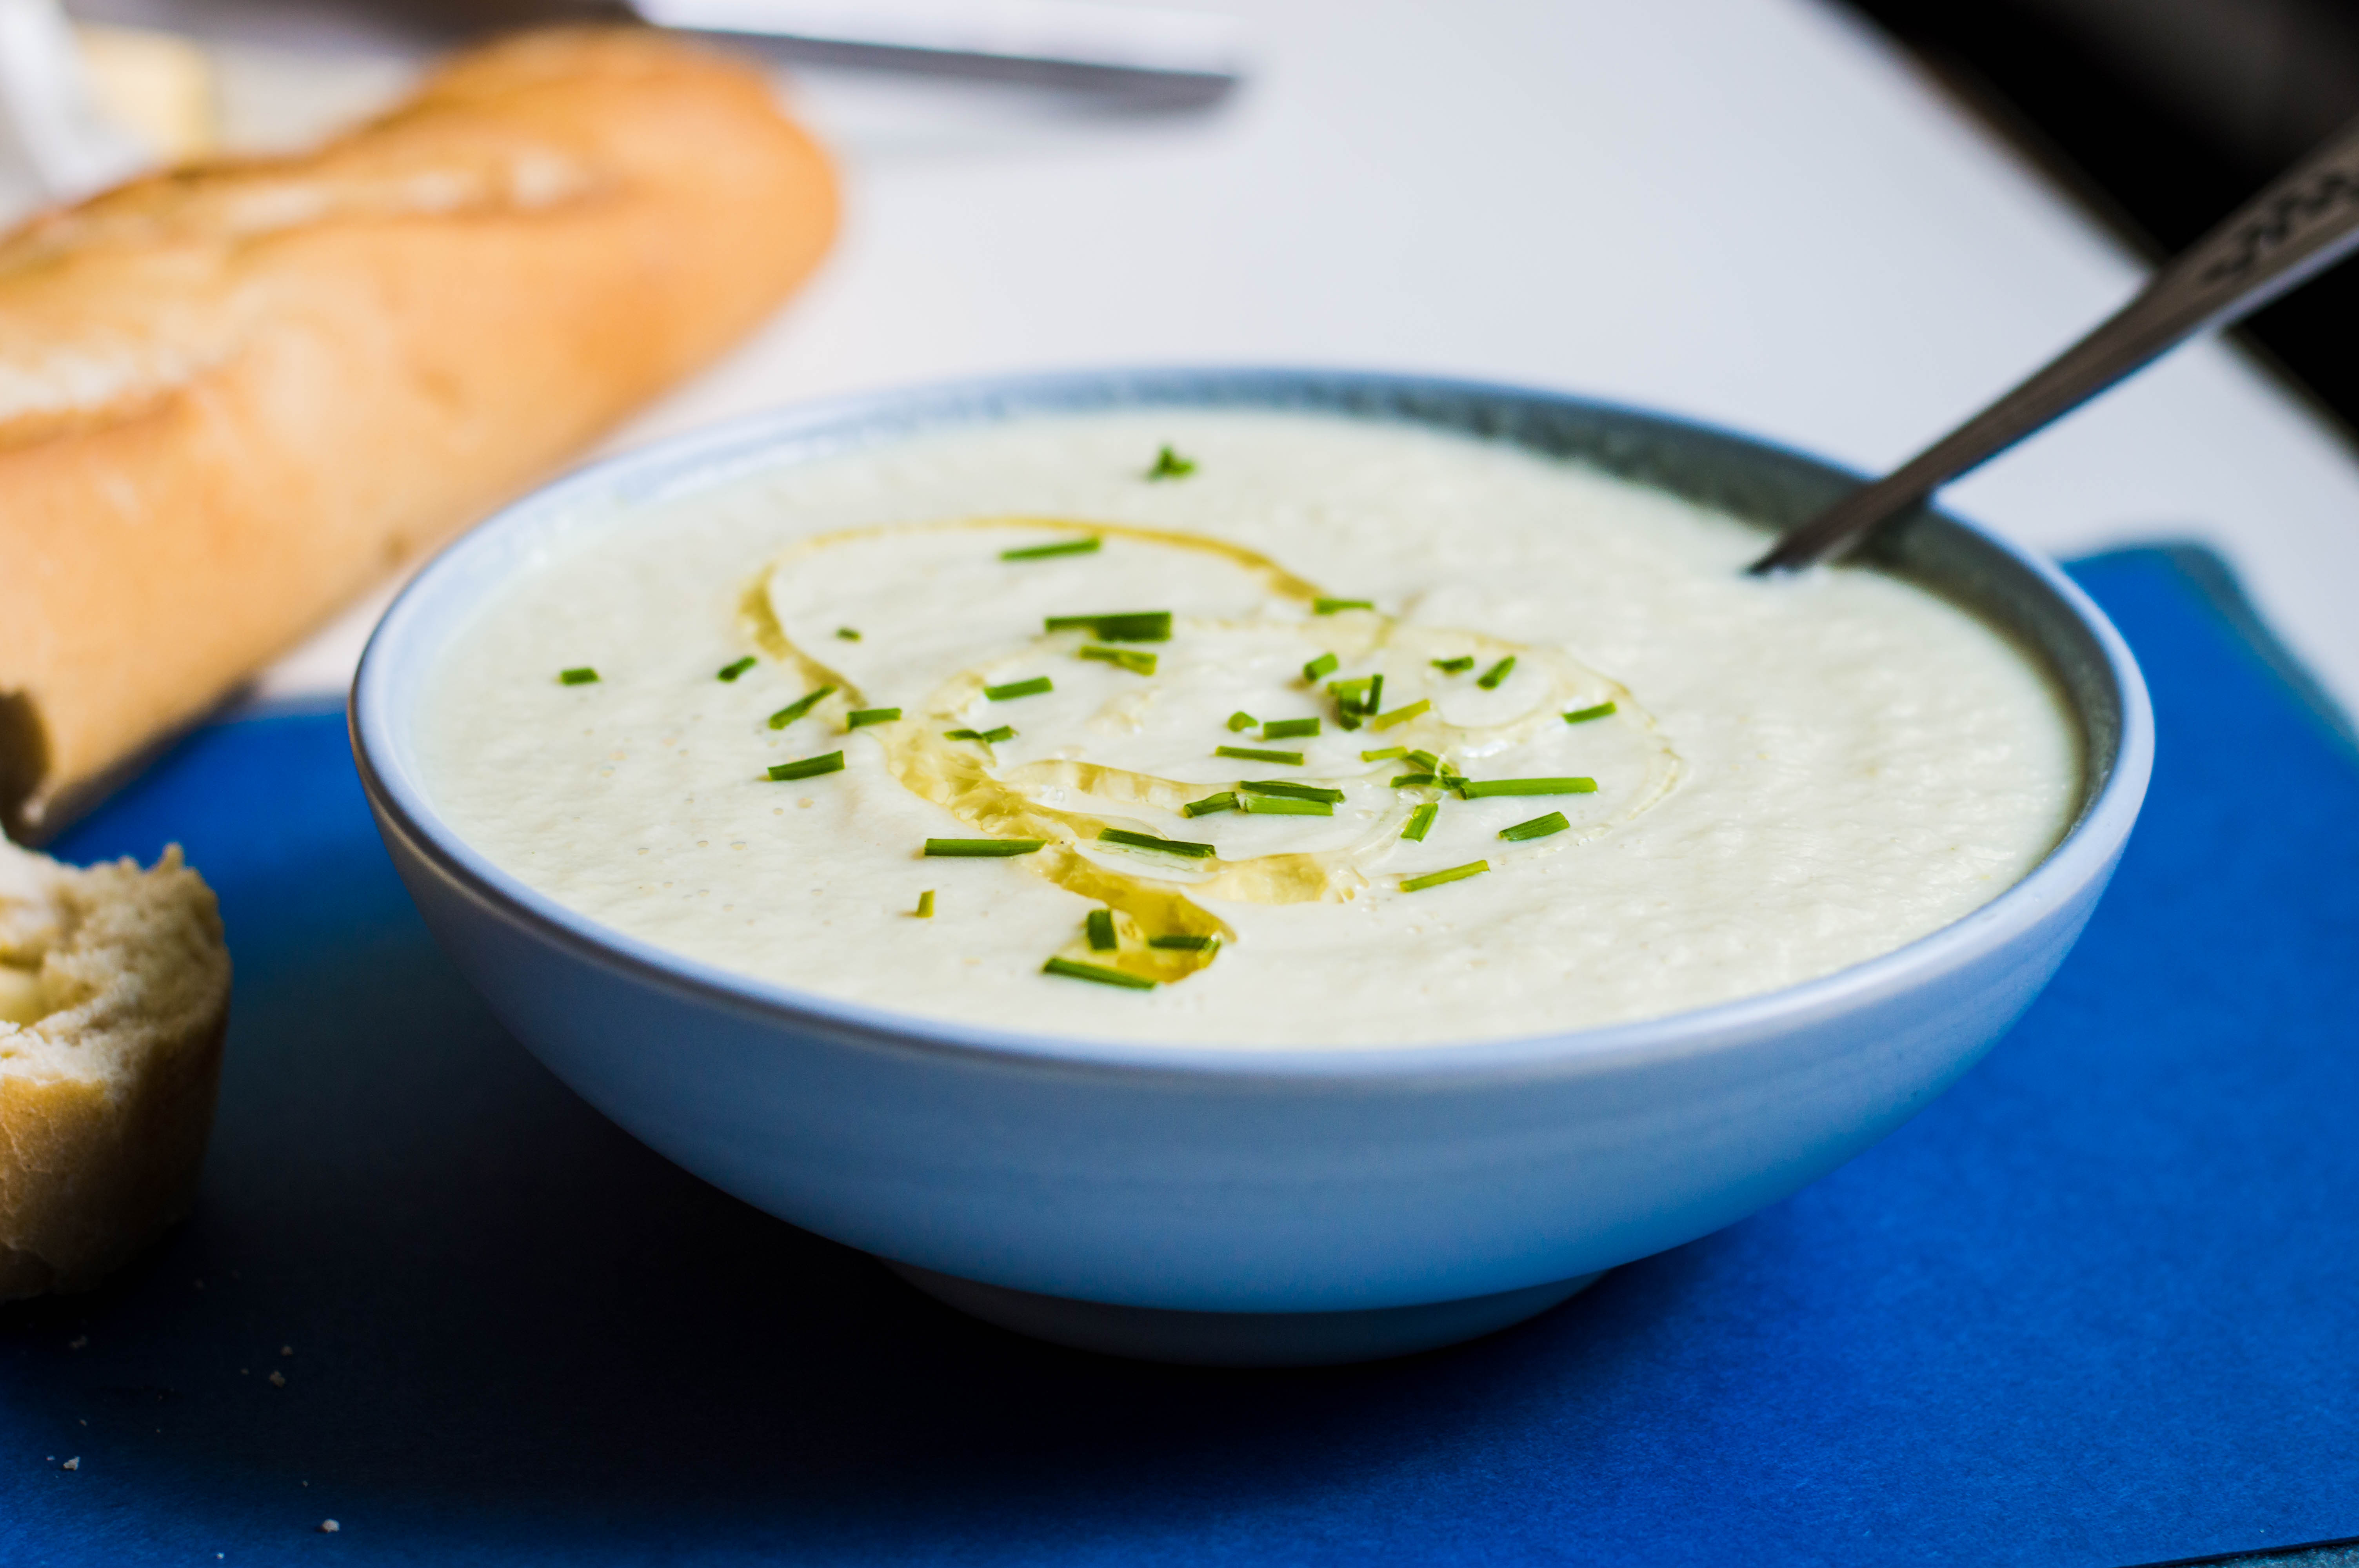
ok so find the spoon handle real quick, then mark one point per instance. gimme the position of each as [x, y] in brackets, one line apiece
[2302, 223]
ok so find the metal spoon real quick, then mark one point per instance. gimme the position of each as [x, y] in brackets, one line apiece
[2303, 223]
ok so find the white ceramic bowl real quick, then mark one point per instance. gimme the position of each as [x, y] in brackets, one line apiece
[1250, 1206]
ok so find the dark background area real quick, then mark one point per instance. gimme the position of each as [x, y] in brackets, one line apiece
[2163, 116]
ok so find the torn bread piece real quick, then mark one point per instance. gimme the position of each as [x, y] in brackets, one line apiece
[113, 999]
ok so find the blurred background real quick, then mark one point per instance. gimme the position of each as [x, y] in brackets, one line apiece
[1843, 224]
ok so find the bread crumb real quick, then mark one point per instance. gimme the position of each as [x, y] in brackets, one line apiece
[329, 1526]
[72, 1464]
[278, 1380]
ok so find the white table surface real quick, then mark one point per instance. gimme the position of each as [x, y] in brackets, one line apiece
[1753, 212]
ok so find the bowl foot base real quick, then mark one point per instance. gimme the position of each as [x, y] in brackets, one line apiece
[1239, 1338]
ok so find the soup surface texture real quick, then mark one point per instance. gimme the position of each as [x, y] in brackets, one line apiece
[1237, 729]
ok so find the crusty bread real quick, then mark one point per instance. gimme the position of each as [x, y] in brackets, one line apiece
[113, 997]
[234, 395]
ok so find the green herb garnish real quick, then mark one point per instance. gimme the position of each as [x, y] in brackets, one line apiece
[1336, 606]
[1150, 841]
[1017, 688]
[988, 737]
[1412, 781]
[1118, 626]
[1169, 464]
[1290, 728]
[847, 634]
[984, 848]
[1297, 791]
[926, 904]
[1489, 680]
[1099, 923]
[1375, 697]
[1426, 760]
[1128, 658]
[1457, 666]
[860, 717]
[1256, 755]
[1225, 801]
[1538, 828]
[1324, 665]
[810, 767]
[1583, 715]
[1241, 719]
[730, 672]
[1386, 755]
[1072, 970]
[799, 706]
[1042, 552]
[1284, 805]
[1435, 879]
[1472, 789]
[1418, 821]
[579, 675]
[1184, 942]
[1401, 715]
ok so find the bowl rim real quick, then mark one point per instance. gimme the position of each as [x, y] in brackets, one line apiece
[710, 456]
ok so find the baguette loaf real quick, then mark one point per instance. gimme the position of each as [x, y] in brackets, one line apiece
[113, 997]
[234, 395]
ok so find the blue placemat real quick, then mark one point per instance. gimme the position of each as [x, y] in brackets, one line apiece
[2098, 1305]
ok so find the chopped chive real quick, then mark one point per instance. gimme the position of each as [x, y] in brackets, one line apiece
[1256, 755]
[847, 634]
[799, 706]
[1335, 606]
[1418, 821]
[810, 767]
[1324, 665]
[984, 848]
[1375, 697]
[961, 734]
[1150, 841]
[1435, 879]
[1241, 719]
[1472, 789]
[1386, 755]
[730, 672]
[1118, 626]
[999, 732]
[1538, 828]
[1347, 722]
[1290, 728]
[1284, 805]
[1225, 801]
[580, 675]
[1296, 791]
[1099, 923]
[1348, 690]
[1169, 464]
[1128, 658]
[1042, 552]
[859, 718]
[1072, 970]
[988, 737]
[1017, 688]
[926, 904]
[1427, 760]
[1489, 680]
[1583, 715]
[1457, 666]
[1407, 780]
[1184, 942]
[1400, 715]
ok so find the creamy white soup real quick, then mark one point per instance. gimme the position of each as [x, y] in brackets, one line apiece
[1238, 728]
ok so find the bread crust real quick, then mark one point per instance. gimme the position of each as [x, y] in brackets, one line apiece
[106, 1099]
[234, 395]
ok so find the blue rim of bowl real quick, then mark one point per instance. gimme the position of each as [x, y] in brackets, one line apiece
[716, 455]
